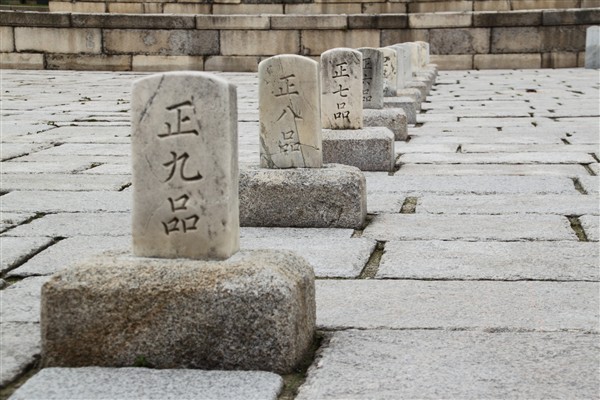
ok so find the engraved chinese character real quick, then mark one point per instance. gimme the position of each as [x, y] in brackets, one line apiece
[295, 114]
[287, 86]
[342, 115]
[341, 106]
[289, 142]
[367, 63]
[186, 224]
[184, 114]
[177, 224]
[340, 70]
[174, 162]
[341, 91]
[179, 203]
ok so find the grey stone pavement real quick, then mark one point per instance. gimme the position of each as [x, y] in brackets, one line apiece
[476, 277]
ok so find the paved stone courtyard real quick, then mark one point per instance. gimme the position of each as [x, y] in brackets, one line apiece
[476, 277]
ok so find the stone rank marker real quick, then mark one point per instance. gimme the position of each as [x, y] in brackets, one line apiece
[345, 141]
[592, 47]
[284, 192]
[341, 89]
[372, 77]
[187, 298]
[390, 71]
[185, 177]
[289, 113]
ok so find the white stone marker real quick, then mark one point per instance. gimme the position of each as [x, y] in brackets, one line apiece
[185, 170]
[423, 54]
[290, 112]
[390, 71]
[341, 89]
[415, 55]
[372, 77]
[404, 62]
[592, 47]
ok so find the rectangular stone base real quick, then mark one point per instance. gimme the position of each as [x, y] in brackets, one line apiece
[392, 118]
[330, 197]
[405, 103]
[419, 85]
[368, 149]
[253, 311]
[414, 93]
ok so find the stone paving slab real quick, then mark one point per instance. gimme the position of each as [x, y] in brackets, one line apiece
[419, 304]
[13, 150]
[591, 226]
[510, 204]
[108, 169]
[67, 201]
[16, 249]
[388, 364]
[569, 170]
[442, 260]
[100, 159]
[61, 167]
[76, 224]
[61, 254]
[498, 158]
[10, 219]
[527, 148]
[21, 301]
[591, 184]
[378, 202]
[89, 149]
[19, 348]
[94, 383]
[342, 258]
[469, 227]
[473, 185]
[63, 182]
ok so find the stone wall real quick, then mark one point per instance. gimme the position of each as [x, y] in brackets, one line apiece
[459, 40]
[310, 6]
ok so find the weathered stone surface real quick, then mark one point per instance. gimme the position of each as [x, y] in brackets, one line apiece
[331, 257]
[494, 306]
[21, 301]
[68, 182]
[155, 63]
[561, 261]
[10, 219]
[66, 201]
[592, 47]
[502, 19]
[333, 196]
[19, 348]
[259, 42]
[58, 40]
[173, 42]
[185, 172]
[372, 81]
[406, 104]
[469, 227]
[15, 250]
[61, 255]
[290, 112]
[591, 226]
[510, 204]
[390, 71]
[385, 364]
[500, 158]
[368, 149]
[76, 224]
[341, 89]
[460, 41]
[393, 119]
[255, 310]
[121, 20]
[111, 383]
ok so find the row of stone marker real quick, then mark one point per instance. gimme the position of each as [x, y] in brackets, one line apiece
[187, 297]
